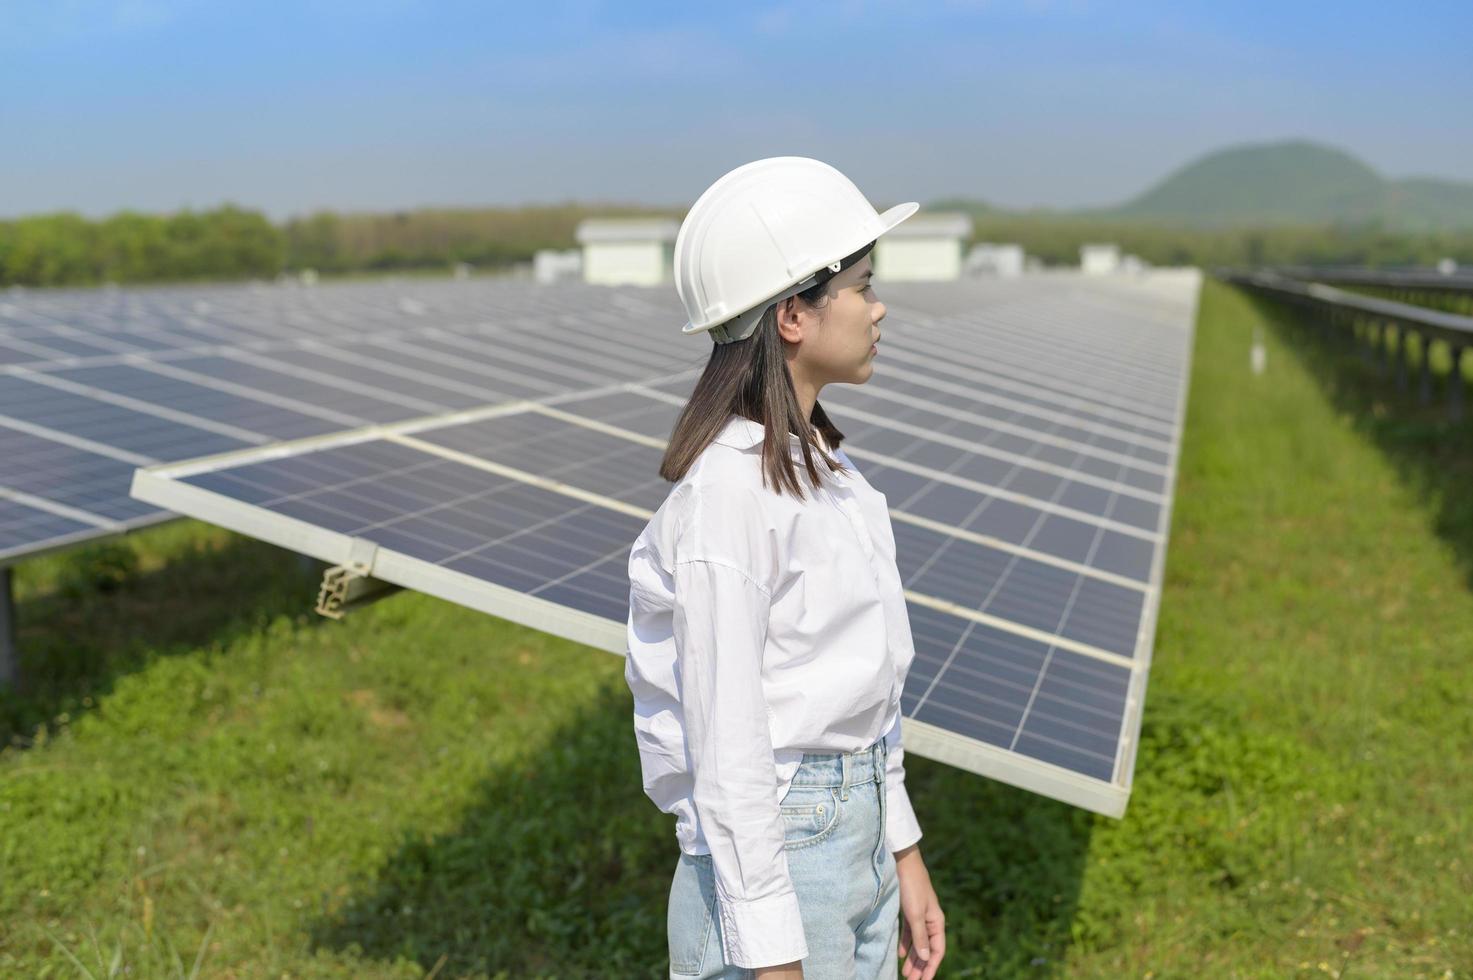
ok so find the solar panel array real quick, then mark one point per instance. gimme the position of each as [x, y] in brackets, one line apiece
[1024, 432]
[94, 383]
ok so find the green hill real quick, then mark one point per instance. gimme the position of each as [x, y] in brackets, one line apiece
[1298, 182]
[1289, 183]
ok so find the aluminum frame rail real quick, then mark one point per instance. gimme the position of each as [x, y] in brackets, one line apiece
[1372, 323]
[1405, 281]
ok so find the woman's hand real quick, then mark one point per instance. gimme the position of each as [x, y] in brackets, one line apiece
[922, 926]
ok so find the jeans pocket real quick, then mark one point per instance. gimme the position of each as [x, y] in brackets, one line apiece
[810, 814]
[690, 915]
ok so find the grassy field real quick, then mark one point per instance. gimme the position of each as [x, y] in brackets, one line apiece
[205, 779]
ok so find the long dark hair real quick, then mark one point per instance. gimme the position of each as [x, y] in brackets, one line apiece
[751, 378]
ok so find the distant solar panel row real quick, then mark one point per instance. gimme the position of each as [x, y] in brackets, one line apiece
[1026, 442]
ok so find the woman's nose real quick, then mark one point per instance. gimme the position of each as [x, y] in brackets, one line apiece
[880, 311]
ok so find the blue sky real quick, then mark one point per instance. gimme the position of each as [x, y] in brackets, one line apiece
[380, 104]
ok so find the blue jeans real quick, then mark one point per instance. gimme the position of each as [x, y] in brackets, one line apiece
[848, 895]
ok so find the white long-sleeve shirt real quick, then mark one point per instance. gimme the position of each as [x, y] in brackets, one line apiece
[760, 627]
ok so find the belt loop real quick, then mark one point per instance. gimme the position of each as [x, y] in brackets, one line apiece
[880, 754]
[845, 766]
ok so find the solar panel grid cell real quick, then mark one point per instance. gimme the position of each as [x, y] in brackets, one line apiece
[21, 525]
[135, 432]
[200, 400]
[70, 476]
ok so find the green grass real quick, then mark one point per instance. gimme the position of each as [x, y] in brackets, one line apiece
[205, 779]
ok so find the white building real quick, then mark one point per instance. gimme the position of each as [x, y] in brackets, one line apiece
[632, 251]
[993, 259]
[551, 264]
[1099, 260]
[924, 247]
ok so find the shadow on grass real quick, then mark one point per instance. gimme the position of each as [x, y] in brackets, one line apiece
[563, 868]
[1432, 455]
[99, 617]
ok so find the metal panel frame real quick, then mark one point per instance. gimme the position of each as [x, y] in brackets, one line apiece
[1135, 697]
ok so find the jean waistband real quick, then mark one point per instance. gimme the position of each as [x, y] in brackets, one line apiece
[843, 768]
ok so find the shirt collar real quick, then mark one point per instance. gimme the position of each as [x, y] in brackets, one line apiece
[743, 434]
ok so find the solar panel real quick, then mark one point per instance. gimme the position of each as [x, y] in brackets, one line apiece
[1027, 447]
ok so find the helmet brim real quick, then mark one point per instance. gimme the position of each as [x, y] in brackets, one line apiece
[891, 217]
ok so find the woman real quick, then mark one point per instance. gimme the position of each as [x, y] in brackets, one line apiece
[768, 636]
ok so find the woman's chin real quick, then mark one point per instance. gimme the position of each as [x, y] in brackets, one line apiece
[858, 376]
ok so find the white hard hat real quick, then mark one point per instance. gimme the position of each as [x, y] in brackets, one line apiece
[762, 233]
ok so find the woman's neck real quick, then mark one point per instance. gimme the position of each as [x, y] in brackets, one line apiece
[806, 389]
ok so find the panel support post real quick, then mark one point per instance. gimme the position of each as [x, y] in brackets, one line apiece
[9, 655]
[1401, 358]
[1455, 385]
[1381, 340]
[1424, 390]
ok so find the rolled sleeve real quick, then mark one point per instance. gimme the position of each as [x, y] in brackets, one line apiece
[901, 827]
[720, 626]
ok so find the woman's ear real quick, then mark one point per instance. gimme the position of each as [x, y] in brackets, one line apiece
[790, 320]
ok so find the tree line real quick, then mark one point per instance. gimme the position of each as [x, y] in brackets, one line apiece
[1056, 240]
[66, 249]
[229, 242]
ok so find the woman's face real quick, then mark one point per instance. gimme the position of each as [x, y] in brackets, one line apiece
[837, 340]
